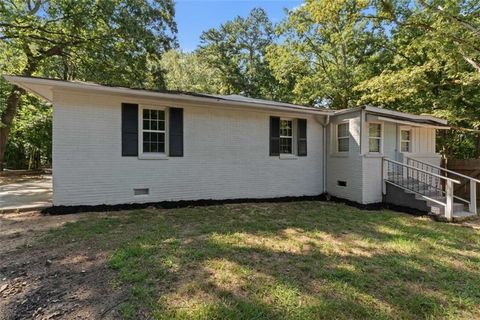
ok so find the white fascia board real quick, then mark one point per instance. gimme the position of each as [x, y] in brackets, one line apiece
[39, 89]
[387, 113]
[404, 114]
[47, 86]
[412, 123]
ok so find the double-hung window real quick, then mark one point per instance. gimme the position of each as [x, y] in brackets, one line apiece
[343, 137]
[153, 130]
[286, 136]
[375, 137]
[405, 140]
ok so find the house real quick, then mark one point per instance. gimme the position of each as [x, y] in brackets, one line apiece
[115, 145]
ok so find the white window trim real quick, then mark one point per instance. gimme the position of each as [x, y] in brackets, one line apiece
[293, 153]
[151, 155]
[381, 138]
[337, 137]
[405, 128]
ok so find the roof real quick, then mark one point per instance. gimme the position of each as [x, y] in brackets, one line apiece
[399, 116]
[44, 87]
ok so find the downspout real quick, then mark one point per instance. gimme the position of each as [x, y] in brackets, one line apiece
[324, 122]
[362, 125]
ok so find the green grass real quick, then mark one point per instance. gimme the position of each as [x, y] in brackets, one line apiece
[304, 260]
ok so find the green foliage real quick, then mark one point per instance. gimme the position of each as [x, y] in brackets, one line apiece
[418, 57]
[236, 51]
[189, 72]
[30, 143]
[117, 42]
[329, 48]
[113, 42]
[434, 67]
[415, 56]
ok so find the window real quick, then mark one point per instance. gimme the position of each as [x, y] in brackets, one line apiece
[405, 140]
[374, 137]
[286, 136]
[153, 130]
[343, 137]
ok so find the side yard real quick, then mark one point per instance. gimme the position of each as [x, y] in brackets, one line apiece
[302, 260]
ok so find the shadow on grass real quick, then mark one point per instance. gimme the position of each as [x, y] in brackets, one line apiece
[306, 260]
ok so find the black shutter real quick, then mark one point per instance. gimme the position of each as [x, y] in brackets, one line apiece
[175, 132]
[274, 136]
[302, 137]
[129, 129]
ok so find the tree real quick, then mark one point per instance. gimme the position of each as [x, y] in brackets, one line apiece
[236, 50]
[30, 141]
[328, 48]
[434, 68]
[189, 72]
[114, 42]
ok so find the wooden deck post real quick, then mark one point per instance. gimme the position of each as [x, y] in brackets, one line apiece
[473, 197]
[384, 176]
[449, 203]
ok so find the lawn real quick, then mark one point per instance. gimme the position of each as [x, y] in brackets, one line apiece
[302, 260]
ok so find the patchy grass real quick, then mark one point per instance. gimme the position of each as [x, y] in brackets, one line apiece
[304, 260]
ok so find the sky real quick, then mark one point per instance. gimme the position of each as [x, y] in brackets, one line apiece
[195, 16]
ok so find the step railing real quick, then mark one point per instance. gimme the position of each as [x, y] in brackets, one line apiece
[472, 201]
[421, 182]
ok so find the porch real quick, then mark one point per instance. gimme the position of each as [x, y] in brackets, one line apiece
[422, 186]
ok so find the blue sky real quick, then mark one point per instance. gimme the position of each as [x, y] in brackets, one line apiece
[195, 16]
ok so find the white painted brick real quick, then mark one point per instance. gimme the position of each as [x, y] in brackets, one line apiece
[225, 156]
[345, 168]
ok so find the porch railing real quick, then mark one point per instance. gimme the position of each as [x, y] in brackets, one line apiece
[472, 201]
[420, 181]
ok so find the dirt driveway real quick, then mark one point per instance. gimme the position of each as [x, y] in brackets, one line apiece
[38, 282]
[25, 192]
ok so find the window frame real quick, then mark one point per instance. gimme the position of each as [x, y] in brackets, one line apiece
[338, 137]
[409, 141]
[292, 137]
[380, 151]
[151, 155]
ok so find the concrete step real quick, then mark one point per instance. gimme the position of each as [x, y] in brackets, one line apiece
[439, 209]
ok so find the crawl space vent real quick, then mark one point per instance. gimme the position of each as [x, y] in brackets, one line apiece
[141, 192]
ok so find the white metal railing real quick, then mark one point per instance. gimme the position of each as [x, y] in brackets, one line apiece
[420, 182]
[472, 202]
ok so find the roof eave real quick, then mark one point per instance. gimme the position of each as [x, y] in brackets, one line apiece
[391, 113]
[50, 85]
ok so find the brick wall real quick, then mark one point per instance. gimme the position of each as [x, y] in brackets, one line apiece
[226, 156]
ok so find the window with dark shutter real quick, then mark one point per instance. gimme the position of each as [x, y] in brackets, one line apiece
[274, 136]
[302, 137]
[129, 130]
[176, 132]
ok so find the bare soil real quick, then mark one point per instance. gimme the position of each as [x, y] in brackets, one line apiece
[42, 281]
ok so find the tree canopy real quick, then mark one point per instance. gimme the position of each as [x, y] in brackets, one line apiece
[418, 56]
[117, 42]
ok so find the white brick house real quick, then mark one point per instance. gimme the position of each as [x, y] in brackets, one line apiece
[115, 145]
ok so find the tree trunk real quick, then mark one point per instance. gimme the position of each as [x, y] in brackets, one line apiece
[6, 118]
